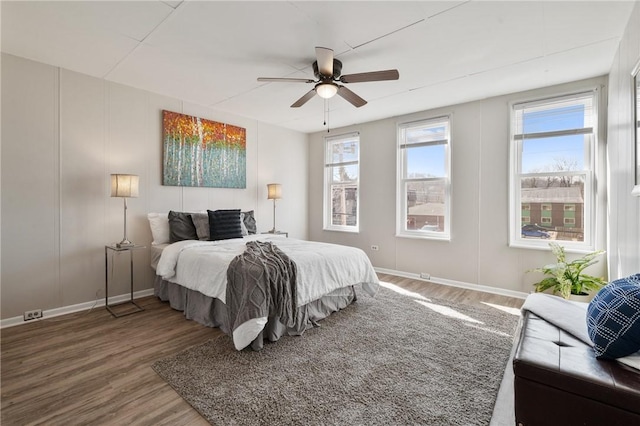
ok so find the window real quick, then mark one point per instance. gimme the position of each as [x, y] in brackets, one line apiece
[424, 184]
[342, 156]
[553, 143]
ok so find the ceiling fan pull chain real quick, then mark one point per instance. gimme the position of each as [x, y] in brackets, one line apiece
[326, 114]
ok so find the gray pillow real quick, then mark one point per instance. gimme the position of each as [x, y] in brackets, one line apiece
[181, 227]
[201, 222]
[250, 222]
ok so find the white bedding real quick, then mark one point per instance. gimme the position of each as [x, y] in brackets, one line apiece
[321, 269]
[156, 252]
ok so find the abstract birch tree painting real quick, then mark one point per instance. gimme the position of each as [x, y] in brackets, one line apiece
[199, 152]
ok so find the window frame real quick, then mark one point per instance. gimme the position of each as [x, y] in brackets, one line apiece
[328, 183]
[589, 174]
[401, 180]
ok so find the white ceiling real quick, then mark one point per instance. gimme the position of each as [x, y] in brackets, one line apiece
[211, 53]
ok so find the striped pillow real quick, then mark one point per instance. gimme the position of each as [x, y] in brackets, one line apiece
[224, 224]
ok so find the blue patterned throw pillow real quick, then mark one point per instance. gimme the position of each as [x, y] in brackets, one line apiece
[613, 318]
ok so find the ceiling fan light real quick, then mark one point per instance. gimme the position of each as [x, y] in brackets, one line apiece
[326, 90]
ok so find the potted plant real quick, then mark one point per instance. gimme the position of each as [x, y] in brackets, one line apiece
[568, 278]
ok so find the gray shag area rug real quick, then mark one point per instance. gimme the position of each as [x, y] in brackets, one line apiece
[390, 360]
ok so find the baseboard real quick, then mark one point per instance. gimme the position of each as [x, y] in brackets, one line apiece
[453, 283]
[10, 322]
[56, 312]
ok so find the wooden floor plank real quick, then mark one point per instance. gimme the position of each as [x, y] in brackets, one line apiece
[92, 368]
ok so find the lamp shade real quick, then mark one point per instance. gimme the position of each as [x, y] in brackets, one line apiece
[124, 186]
[326, 90]
[274, 191]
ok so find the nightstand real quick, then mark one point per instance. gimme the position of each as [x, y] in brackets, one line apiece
[286, 234]
[114, 249]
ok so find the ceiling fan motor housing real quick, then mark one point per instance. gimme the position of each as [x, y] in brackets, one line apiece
[337, 70]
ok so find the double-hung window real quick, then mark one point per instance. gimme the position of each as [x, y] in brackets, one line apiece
[341, 182]
[553, 150]
[424, 181]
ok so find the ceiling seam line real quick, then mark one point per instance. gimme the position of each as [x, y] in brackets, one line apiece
[141, 42]
[390, 33]
[448, 10]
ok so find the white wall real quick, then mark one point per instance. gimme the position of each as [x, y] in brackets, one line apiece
[623, 209]
[63, 134]
[478, 253]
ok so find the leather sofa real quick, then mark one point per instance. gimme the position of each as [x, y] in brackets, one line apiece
[558, 381]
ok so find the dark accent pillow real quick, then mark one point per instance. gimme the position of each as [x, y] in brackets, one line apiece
[224, 224]
[250, 222]
[201, 222]
[613, 318]
[181, 227]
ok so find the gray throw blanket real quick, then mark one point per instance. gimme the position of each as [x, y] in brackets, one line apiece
[564, 314]
[261, 282]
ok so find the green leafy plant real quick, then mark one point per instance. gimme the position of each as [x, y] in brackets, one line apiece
[568, 278]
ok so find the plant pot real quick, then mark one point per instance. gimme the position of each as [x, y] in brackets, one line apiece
[584, 298]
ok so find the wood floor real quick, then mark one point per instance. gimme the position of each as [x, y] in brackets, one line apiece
[92, 368]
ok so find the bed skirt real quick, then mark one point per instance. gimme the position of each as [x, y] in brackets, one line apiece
[212, 312]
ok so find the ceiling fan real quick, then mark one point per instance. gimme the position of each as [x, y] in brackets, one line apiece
[327, 70]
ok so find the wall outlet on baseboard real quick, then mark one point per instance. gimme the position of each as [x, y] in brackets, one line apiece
[374, 247]
[31, 315]
[425, 276]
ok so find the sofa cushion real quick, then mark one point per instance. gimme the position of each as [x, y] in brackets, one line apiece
[613, 318]
[551, 365]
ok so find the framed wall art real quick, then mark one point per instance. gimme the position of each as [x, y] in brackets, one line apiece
[204, 153]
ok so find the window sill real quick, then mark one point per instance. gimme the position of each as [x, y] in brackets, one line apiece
[350, 231]
[544, 246]
[425, 236]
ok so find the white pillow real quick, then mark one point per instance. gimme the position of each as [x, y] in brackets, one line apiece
[159, 223]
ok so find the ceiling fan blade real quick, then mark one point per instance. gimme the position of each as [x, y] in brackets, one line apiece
[286, 80]
[351, 97]
[303, 100]
[370, 76]
[324, 56]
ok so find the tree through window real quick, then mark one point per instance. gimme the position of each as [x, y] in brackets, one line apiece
[342, 170]
[553, 144]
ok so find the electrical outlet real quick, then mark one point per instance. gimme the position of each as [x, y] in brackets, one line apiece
[31, 315]
[375, 247]
[425, 276]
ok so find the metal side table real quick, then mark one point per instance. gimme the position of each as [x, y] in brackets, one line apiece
[115, 249]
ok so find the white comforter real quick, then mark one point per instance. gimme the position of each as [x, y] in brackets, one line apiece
[322, 267]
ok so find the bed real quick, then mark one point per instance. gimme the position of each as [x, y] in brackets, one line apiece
[192, 276]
